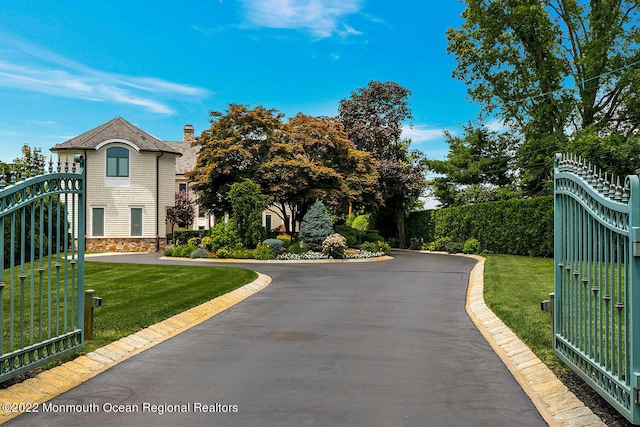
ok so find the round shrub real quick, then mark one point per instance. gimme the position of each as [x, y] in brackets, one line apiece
[274, 244]
[351, 234]
[183, 251]
[361, 222]
[199, 253]
[263, 252]
[440, 244]
[224, 235]
[285, 239]
[334, 245]
[373, 237]
[471, 246]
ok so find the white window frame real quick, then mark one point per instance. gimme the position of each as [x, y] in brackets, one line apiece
[117, 181]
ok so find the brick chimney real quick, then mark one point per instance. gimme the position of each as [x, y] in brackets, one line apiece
[187, 134]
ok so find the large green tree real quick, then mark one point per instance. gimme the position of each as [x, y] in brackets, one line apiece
[548, 68]
[480, 160]
[233, 149]
[316, 161]
[296, 163]
[373, 117]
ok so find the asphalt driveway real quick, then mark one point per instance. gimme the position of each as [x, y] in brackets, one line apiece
[344, 344]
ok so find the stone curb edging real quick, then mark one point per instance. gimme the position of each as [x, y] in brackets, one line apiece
[53, 382]
[276, 261]
[553, 400]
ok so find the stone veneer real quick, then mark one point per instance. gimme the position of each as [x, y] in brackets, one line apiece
[123, 245]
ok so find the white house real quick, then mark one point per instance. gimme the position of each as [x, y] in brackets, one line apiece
[131, 179]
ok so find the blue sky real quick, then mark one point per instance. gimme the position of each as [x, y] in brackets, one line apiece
[69, 66]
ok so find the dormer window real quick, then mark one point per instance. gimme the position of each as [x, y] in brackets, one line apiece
[117, 162]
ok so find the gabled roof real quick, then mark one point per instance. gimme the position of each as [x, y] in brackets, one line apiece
[187, 161]
[117, 128]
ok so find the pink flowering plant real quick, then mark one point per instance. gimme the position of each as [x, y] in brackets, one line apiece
[334, 246]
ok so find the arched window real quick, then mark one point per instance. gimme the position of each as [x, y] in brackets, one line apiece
[117, 162]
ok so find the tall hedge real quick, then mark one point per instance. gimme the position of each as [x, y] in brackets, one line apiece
[517, 227]
[421, 225]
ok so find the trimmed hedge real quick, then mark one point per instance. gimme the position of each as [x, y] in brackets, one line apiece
[421, 225]
[516, 227]
[181, 237]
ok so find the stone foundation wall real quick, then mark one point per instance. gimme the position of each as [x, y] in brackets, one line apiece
[123, 245]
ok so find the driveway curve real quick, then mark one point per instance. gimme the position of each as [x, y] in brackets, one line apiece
[341, 344]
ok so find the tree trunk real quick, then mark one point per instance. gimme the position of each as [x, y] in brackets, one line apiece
[401, 232]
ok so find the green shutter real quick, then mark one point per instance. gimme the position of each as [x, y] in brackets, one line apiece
[136, 222]
[97, 222]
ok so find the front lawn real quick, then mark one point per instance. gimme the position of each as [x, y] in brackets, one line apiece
[136, 296]
[514, 286]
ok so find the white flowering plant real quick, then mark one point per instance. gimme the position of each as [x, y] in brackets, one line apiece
[334, 246]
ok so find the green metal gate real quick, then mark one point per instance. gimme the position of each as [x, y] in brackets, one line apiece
[597, 280]
[42, 265]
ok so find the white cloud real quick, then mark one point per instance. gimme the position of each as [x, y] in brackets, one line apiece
[421, 133]
[496, 125]
[33, 69]
[322, 18]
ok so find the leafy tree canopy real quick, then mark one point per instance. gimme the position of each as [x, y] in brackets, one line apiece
[294, 164]
[550, 68]
[182, 213]
[373, 118]
[233, 149]
[480, 158]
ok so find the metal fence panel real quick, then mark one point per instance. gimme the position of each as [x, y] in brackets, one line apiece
[42, 260]
[596, 248]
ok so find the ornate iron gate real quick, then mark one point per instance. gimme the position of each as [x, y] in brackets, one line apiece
[597, 280]
[42, 265]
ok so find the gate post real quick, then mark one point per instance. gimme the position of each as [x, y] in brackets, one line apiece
[634, 291]
[557, 253]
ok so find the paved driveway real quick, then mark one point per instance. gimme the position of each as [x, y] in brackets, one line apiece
[349, 344]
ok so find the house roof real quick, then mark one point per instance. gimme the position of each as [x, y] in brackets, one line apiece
[117, 128]
[187, 161]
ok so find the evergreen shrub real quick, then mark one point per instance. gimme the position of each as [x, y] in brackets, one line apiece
[352, 235]
[275, 244]
[199, 253]
[315, 226]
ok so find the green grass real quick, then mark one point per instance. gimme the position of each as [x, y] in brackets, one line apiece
[134, 296]
[514, 286]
